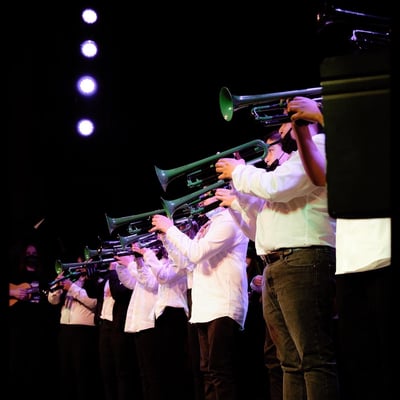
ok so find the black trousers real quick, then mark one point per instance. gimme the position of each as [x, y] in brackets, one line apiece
[219, 342]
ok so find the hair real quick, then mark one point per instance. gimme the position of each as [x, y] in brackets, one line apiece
[17, 257]
[274, 136]
[255, 267]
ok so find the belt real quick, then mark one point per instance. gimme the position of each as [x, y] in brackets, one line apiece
[271, 257]
[105, 322]
[275, 255]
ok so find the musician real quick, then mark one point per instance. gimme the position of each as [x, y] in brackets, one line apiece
[140, 320]
[275, 156]
[77, 346]
[287, 216]
[365, 285]
[171, 311]
[219, 294]
[32, 325]
[117, 353]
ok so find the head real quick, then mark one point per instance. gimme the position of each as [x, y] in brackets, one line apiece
[31, 259]
[289, 143]
[288, 138]
[253, 265]
[275, 156]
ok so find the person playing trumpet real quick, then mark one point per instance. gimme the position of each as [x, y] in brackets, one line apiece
[219, 293]
[140, 320]
[287, 216]
[77, 337]
[171, 311]
[365, 279]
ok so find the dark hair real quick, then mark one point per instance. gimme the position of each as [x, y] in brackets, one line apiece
[274, 136]
[255, 267]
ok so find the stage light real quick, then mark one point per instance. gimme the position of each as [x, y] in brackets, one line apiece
[89, 16]
[87, 85]
[87, 79]
[89, 48]
[85, 127]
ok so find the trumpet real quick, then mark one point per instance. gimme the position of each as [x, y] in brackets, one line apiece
[366, 31]
[74, 270]
[192, 203]
[144, 240]
[229, 103]
[148, 240]
[138, 224]
[202, 172]
[100, 252]
[80, 267]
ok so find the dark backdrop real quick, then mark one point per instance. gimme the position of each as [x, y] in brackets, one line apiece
[161, 69]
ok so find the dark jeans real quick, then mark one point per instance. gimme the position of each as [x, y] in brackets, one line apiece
[275, 374]
[219, 342]
[298, 300]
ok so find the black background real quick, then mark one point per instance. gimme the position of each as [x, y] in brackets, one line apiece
[161, 67]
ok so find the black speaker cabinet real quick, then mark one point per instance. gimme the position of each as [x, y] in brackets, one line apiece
[356, 92]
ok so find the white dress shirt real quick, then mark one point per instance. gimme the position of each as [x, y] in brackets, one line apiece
[172, 282]
[140, 313]
[282, 208]
[219, 275]
[78, 308]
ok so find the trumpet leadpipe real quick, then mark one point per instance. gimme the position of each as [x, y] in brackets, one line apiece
[230, 103]
[104, 251]
[191, 204]
[114, 223]
[202, 173]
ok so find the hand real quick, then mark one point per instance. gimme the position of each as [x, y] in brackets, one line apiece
[91, 271]
[161, 223]
[113, 266]
[256, 284]
[225, 166]
[304, 108]
[124, 260]
[137, 249]
[225, 196]
[66, 283]
[20, 293]
[257, 280]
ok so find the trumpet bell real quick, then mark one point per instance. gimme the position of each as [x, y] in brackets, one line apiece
[58, 267]
[226, 103]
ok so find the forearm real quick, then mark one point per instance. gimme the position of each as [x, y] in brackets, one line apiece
[313, 161]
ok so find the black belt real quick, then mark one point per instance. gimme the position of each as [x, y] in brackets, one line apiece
[275, 255]
[271, 257]
[106, 322]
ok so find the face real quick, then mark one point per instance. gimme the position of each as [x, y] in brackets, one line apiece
[289, 143]
[31, 260]
[275, 155]
[31, 250]
[274, 152]
[285, 128]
